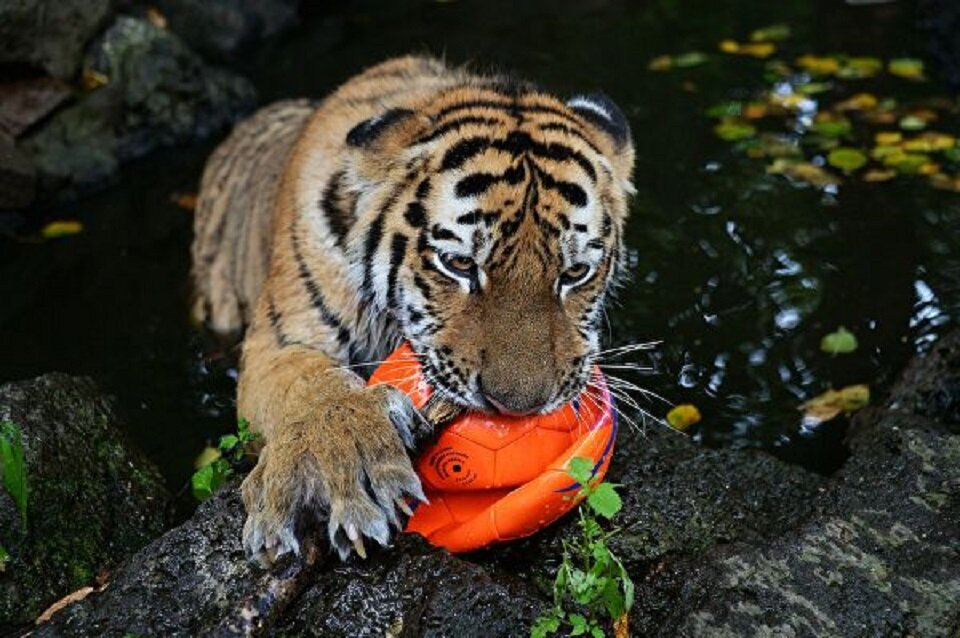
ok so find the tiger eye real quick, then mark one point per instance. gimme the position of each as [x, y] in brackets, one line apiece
[460, 263]
[574, 274]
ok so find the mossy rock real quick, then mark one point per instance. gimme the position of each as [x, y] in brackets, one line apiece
[92, 499]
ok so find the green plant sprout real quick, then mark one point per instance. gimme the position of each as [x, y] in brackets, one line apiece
[14, 467]
[591, 577]
[219, 464]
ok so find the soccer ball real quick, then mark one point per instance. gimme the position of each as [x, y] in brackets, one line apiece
[491, 477]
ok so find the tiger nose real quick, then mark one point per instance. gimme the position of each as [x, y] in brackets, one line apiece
[511, 401]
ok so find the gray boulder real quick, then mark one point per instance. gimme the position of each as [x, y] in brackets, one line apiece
[92, 499]
[157, 92]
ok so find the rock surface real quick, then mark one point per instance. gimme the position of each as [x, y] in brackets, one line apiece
[155, 92]
[719, 543]
[92, 500]
[49, 34]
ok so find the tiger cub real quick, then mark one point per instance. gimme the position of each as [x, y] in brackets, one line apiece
[478, 218]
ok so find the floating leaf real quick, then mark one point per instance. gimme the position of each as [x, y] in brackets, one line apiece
[860, 67]
[771, 33]
[909, 68]
[725, 109]
[906, 163]
[912, 123]
[846, 159]
[755, 110]
[930, 142]
[756, 49]
[831, 125]
[683, 416]
[832, 403]
[813, 88]
[91, 79]
[887, 138]
[689, 59]
[61, 228]
[732, 130]
[818, 65]
[858, 102]
[840, 342]
[945, 182]
[661, 63]
[878, 175]
[803, 172]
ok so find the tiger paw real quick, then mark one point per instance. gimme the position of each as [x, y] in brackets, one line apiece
[346, 465]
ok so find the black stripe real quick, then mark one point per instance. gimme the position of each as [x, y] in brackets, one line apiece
[423, 188]
[573, 193]
[424, 287]
[510, 107]
[439, 232]
[574, 132]
[415, 215]
[456, 124]
[398, 248]
[276, 319]
[462, 151]
[338, 219]
[478, 183]
[326, 315]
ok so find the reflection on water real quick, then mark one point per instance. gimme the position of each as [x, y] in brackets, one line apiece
[739, 273]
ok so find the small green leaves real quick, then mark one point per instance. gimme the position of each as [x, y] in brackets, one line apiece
[840, 342]
[846, 159]
[908, 68]
[689, 59]
[14, 467]
[215, 465]
[771, 33]
[604, 500]
[580, 469]
[4, 559]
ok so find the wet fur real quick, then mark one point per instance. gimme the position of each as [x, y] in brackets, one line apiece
[326, 229]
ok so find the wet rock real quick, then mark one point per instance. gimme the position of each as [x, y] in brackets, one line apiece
[195, 580]
[49, 34]
[25, 102]
[719, 543]
[221, 29]
[17, 178]
[92, 500]
[157, 92]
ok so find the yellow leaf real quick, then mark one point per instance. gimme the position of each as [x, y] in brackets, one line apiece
[877, 175]
[945, 182]
[755, 110]
[887, 138]
[909, 68]
[818, 65]
[755, 49]
[683, 416]
[803, 172]
[930, 168]
[930, 142]
[858, 102]
[661, 63]
[156, 18]
[61, 228]
[91, 79]
[206, 457]
[835, 402]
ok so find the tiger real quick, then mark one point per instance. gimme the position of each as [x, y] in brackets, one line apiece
[474, 216]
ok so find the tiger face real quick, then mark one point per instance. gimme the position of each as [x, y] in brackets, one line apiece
[500, 223]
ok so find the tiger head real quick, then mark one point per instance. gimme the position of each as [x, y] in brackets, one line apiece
[496, 235]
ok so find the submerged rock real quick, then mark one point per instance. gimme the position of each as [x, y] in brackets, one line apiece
[92, 499]
[155, 92]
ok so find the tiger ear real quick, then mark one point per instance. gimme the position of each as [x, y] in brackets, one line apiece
[367, 133]
[604, 115]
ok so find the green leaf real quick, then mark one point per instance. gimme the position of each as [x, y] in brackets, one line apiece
[771, 33]
[228, 442]
[579, 624]
[14, 467]
[909, 68]
[208, 478]
[689, 59]
[732, 130]
[840, 342]
[725, 109]
[832, 128]
[604, 500]
[596, 632]
[846, 159]
[912, 123]
[580, 469]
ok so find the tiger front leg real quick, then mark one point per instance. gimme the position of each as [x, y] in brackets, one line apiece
[334, 452]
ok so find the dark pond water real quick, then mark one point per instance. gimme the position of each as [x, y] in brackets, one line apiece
[739, 273]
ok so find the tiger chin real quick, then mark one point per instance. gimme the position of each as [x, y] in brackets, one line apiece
[478, 218]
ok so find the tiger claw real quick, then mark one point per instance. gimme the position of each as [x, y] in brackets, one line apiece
[402, 504]
[357, 541]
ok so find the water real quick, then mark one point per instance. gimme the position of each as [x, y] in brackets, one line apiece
[738, 273]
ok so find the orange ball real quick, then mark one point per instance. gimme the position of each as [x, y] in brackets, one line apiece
[491, 477]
